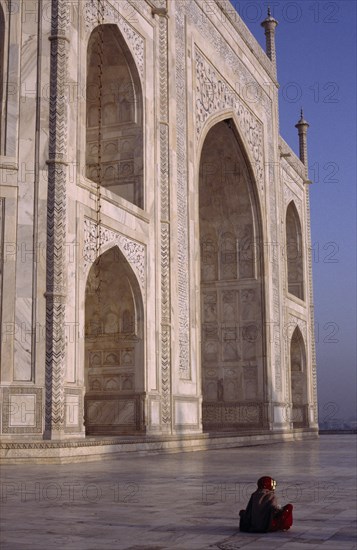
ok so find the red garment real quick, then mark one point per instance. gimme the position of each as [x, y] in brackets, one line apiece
[283, 520]
[263, 513]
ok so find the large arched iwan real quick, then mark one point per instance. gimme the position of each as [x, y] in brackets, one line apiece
[232, 323]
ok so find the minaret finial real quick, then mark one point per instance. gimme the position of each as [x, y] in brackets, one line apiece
[269, 25]
[302, 127]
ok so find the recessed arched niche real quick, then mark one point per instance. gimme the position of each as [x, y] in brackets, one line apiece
[231, 284]
[114, 123]
[114, 347]
[298, 373]
[294, 253]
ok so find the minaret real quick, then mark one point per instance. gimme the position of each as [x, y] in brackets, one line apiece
[302, 127]
[269, 25]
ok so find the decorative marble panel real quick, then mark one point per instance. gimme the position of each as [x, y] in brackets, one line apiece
[22, 410]
[217, 38]
[73, 409]
[186, 413]
[214, 36]
[249, 303]
[134, 252]
[111, 413]
[222, 415]
[56, 283]
[250, 382]
[209, 306]
[2, 219]
[165, 245]
[297, 415]
[182, 194]
[274, 260]
[213, 94]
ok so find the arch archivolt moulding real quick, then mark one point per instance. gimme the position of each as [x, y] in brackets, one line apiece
[290, 196]
[214, 95]
[293, 323]
[134, 252]
[134, 40]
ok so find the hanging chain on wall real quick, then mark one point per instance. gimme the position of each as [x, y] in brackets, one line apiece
[100, 62]
[100, 55]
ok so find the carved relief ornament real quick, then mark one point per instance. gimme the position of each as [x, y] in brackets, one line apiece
[111, 14]
[214, 94]
[134, 252]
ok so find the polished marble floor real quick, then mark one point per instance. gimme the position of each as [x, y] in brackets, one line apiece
[186, 501]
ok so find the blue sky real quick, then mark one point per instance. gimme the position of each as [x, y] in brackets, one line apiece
[316, 60]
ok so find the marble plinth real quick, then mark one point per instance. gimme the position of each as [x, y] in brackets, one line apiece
[101, 448]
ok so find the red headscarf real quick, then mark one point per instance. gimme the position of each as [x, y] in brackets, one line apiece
[266, 482]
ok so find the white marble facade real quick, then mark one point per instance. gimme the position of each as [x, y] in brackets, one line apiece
[155, 232]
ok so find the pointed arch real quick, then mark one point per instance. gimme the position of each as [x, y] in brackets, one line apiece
[114, 347]
[114, 122]
[250, 157]
[294, 252]
[298, 374]
[231, 269]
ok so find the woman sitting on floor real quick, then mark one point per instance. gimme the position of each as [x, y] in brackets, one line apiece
[263, 513]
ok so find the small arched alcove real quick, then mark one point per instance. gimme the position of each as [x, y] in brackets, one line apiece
[294, 253]
[114, 138]
[114, 347]
[298, 379]
[231, 285]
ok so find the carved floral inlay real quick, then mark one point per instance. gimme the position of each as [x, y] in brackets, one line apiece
[213, 94]
[134, 252]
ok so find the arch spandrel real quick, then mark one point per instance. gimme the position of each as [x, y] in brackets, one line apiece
[133, 251]
[217, 100]
[133, 39]
[290, 196]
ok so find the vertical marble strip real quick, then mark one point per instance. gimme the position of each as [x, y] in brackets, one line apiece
[165, 327]
[2, 218]
[36, 245]
[165, 227]
[26, 254]
[311, 311]
[56, 221]
[11, 104]
[182, 210]
[274, 262]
